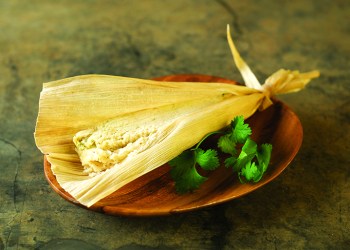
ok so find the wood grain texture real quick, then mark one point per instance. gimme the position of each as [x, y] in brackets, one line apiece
[154, 194]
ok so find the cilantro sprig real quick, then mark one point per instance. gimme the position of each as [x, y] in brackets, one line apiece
[244, 156]
[184, 167]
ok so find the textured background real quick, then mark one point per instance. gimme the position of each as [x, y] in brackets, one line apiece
[307, 207]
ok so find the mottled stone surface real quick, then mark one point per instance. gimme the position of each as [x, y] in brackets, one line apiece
[307, 207]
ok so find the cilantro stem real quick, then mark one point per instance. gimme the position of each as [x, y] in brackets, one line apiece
[205, 137]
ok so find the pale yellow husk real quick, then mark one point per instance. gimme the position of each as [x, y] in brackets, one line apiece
[179, 114]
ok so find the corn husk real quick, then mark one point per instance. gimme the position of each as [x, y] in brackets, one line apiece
[182, 113]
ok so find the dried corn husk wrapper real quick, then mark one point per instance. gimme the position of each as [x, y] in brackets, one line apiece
[101, 132]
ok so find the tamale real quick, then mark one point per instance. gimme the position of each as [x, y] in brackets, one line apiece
[101, 132]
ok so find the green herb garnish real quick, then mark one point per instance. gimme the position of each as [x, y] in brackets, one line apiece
[244, 156]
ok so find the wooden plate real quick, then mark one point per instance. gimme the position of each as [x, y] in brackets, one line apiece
[153, 194]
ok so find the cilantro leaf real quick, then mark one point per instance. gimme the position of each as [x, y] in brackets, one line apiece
[227, 145]
[240, 130]
[184, 173]
[230, 161]
[250, 172]
[208, 159]
[264, 156]
[247, 154]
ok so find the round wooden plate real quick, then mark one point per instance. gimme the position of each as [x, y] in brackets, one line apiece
[154, 194]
